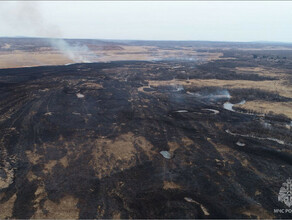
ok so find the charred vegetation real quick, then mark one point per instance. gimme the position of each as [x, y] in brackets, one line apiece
[85, 140]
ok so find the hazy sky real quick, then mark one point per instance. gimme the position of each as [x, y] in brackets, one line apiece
[146, 20]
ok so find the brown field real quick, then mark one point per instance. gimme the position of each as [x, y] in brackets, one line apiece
[27, 59]
[46, 56]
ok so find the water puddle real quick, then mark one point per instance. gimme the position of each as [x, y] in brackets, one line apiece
[190, 93]
[259, 138]
[44, 90]
[182, 111]
[228, 106]
[240, 144]
[80, 96]
[212, 110]
[201, 206]
[165, 154]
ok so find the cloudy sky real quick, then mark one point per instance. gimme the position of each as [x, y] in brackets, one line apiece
[146, 20]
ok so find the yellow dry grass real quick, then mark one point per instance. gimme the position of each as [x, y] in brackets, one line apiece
[266, 107]
[276, 86]
[257, 211]
[261, 71]
[186, 141]
[108, 154]
[33, 157]
[46, 56]
[7, 208]
[170, 185]
[28, 59]
[65, 209]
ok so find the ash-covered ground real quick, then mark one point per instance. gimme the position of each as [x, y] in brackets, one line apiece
[138, 139]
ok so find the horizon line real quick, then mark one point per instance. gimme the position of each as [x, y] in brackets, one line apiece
[116, 39]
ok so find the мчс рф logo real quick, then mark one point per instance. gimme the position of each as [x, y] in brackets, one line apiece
[285, 194]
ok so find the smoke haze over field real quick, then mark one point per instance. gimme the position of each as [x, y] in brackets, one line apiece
[77, 53]
[28, 16]
[148, 20]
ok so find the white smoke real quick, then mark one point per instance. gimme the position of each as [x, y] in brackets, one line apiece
[219, 94]
[77, 53]
[26, 17]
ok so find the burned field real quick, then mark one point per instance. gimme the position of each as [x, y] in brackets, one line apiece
[137, 139]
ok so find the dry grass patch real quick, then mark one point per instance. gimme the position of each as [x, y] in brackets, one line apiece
[28, 59]
[170, 185]
[33, 157]
[186, 141]
[7, 208]
[46, 56]
[257, 211]
[118, 154]
[278, 108]
[261, 71]
[65, 209]
[276, 86]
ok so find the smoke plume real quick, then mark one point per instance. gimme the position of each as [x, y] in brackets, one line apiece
[77, 53]
[214, 95]
[27, 17]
